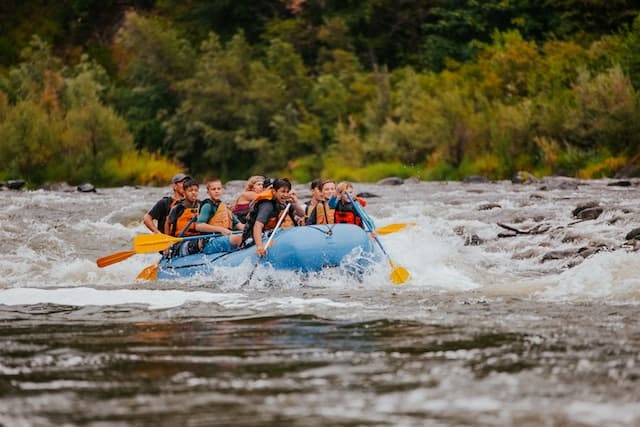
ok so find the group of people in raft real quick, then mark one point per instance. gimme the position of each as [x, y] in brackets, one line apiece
[256, 212]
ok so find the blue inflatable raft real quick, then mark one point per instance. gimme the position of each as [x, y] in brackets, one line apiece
[305, 249]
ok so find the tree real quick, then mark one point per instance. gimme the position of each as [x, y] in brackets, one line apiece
[151, 57]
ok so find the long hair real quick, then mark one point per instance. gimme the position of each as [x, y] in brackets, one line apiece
[252, 182]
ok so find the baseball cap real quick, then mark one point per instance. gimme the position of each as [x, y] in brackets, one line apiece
[268, 182]
[179, 178]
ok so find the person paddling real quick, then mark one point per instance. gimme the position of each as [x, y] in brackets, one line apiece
[345, 213]
[183, 216]
[265, 213]
[160, 211]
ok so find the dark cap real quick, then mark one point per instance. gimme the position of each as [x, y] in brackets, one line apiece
[179, 178]
[268, 182]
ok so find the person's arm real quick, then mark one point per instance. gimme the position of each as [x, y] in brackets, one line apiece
[154, 213]
[237, 224]
[206, 212]
[265, 211]
[148, 222]
[172, 218]
[208, 228]
[333, 202]
[257, 238]
[167, 224]
[313, 216]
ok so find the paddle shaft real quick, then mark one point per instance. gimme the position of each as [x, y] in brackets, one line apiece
[266, 247]
[114, 258]
[398, 274]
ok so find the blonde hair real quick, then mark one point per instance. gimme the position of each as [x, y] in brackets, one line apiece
[343, 186]
[252, 182]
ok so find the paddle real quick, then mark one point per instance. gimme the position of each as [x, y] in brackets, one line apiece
[143, 243]
[399, 274]
[392, 228]
[150, 243]
[114, 258]
[149, 273]
[266, 247]
[158, 242]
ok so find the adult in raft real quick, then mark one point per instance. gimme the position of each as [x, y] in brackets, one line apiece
[155, 219]
[265, 213]
[243, 203]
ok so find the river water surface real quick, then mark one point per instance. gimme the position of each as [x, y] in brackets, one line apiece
[533, 322]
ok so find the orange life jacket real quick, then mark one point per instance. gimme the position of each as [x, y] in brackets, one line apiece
[223, 216]
[324, 214]
[266, 197]
[185, 218]
[345, 214]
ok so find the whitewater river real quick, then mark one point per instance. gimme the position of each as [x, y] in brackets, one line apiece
[533, 322]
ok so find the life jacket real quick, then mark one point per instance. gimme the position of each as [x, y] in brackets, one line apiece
[185, 217]
[222, 216]
[346, 214]
[266, 197]
[324, 214]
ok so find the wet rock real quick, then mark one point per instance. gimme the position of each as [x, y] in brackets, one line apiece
[86, 187]
[527, 254]
[472, 240]
[537, 229]
[633, 234]
[590, 213]
[367, 195]
[488, 206]
[619, 184]
[523, 177]
[391, 181]
[588, 251]
[614, 220]
[559, 254]
[583, 206]
[476, 179]
[15, 184]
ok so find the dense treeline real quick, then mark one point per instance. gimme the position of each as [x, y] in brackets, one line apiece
[126, 91]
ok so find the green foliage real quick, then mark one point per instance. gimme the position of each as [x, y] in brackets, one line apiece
[353, 90]
[630, 52]
[606, 112]
[59, 127]
[304, 169]
[140, 167]
[151, 57]
[29, 142]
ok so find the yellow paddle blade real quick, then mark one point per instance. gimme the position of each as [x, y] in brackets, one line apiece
[392, 228]
[150, 273]
[399, 274]
[144, 243]
[113, 258]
